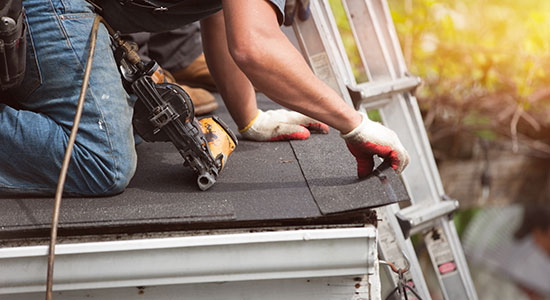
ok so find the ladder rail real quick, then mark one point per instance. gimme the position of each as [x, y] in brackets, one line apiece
[421, 144]
[414, 103]
[321, 22]
[409, 132]
[321, 51]
[345, 69]
[403, 69]
[448, 227]
[382, 58]
[353, 5]
[366, 43]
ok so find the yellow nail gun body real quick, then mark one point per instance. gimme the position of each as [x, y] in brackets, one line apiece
[205, 144]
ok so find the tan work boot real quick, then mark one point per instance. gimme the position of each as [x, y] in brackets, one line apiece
[196, 75]
[203, 101]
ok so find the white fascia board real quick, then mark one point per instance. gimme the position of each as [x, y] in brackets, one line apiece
[192, 259]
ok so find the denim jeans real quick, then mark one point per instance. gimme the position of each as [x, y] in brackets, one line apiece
[34, 135]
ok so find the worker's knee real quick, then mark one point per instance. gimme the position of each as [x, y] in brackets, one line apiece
[123, 176]
[101, 180]
[118, 172]
[104, 157]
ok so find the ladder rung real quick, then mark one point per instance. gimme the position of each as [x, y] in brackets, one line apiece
[415, 218]
[368, 92]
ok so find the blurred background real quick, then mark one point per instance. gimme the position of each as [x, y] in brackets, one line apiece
[485, 99]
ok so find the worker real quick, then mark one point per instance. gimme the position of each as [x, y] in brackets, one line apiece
[244, 47]
[179, 53]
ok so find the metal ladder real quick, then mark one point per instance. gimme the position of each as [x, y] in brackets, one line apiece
[388, 90]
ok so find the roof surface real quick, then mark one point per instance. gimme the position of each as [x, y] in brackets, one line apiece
[308, 182]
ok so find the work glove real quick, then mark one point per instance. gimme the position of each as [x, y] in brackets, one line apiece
[280, 125]
[293, 6]
[372, 138]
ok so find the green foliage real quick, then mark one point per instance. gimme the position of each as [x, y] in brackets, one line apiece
[374, 115]
[476, 58]
[495, 45]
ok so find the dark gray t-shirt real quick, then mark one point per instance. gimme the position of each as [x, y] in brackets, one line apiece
[164, 15]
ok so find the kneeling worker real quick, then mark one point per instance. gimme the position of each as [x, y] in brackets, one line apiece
[244, 48]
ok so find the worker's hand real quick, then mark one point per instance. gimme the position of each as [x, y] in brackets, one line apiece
[280, 125]
[293, 6]
[372, 138]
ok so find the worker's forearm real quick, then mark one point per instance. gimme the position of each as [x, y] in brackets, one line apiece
[281, 73]
[274, 66]
[233, 85]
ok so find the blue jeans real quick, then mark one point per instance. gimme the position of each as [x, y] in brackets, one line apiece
[33, 137]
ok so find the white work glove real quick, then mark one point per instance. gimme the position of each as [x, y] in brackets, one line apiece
[372, 138]
[280, 125]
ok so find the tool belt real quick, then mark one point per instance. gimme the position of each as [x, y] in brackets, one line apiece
[13, 43]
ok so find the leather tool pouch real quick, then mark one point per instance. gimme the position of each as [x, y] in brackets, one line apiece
[13, 43]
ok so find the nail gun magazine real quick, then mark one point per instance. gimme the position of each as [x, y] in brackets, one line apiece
[165, 112]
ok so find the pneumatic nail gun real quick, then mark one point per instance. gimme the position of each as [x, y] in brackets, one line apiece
[165, 112]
